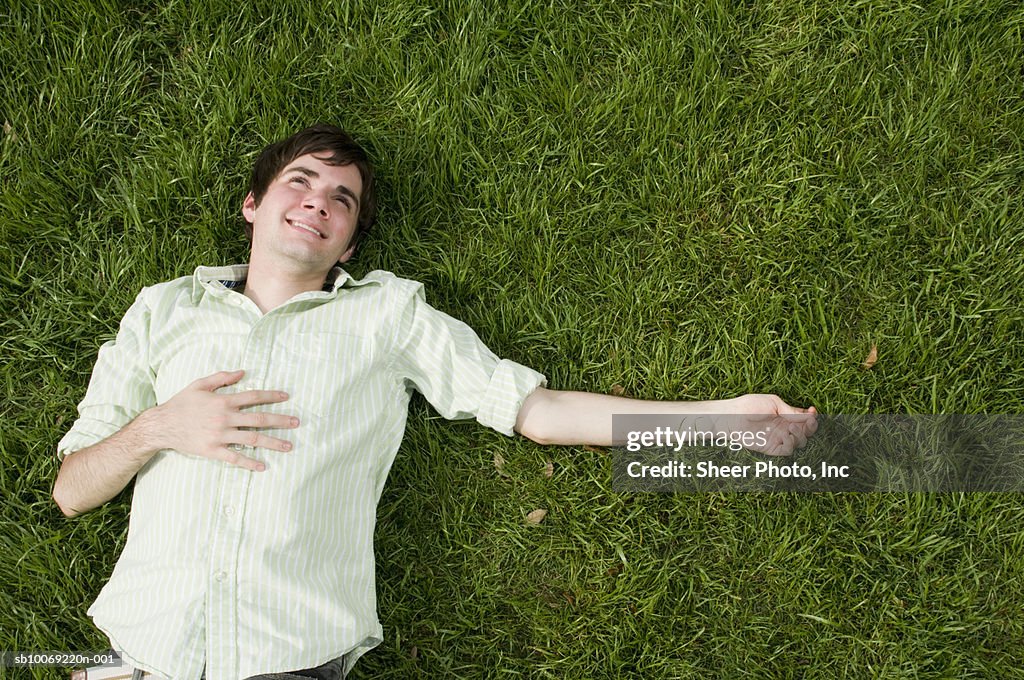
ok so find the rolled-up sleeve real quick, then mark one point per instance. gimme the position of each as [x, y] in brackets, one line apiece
[121, 385]
[447, 362]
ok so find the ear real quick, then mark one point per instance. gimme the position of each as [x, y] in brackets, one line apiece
[249, 208]
[347, 255]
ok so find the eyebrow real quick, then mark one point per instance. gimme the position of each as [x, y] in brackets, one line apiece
[341, 188]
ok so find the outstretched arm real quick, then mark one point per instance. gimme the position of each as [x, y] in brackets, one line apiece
[556, 417]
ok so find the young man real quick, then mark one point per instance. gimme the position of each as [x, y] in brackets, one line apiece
[259, 408]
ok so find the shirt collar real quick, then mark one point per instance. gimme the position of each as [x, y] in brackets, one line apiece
[218, 280]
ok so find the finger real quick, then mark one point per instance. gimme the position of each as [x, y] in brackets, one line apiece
[256, 440]
[789, 443]
[784, 443]
[797, 432]
[804, 427]
[801, 421]
[262, 420]
[256, 397]
[233, 457]
[217, 380]
[792, 443]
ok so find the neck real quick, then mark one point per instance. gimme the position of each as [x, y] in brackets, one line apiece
[271, 287]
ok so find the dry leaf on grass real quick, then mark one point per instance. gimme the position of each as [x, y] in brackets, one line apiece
[499, 464]
[618, 390]
[872, 357]
[537, 516]
[549, 469]
[596, 449]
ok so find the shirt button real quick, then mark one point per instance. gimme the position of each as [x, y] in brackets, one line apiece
[220, 576]
[228, 510]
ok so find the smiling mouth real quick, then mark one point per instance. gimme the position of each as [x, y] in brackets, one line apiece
[307, 227]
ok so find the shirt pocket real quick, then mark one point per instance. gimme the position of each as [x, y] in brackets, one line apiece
[189, 357]
[320, 371]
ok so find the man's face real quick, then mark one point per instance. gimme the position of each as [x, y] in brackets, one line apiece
[308, 214]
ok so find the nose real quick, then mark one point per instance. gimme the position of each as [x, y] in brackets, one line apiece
[314, 201]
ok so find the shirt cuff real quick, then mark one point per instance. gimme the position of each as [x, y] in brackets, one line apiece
[509, 386]
[85, 432]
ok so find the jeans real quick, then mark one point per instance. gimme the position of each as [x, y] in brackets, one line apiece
[332, 670]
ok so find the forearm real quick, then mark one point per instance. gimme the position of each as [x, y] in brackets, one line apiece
[197, 421]
[556, 417]
[91, 476]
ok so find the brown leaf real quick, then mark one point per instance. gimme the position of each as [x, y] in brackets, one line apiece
[499, 464]
[414, 652]
[614, 570]
[549, 469]
[537, 516]
[595, 449]
[871, 358]
[618, 390]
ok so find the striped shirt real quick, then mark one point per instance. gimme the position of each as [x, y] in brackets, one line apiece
[254, 572]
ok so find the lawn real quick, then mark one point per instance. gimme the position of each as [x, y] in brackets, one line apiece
[675, 201]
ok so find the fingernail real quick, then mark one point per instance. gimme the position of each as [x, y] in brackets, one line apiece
[287, 446]
[295, 422]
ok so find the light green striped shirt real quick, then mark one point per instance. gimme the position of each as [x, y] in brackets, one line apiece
[255, 572]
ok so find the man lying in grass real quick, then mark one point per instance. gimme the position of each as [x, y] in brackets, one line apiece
[259, 408]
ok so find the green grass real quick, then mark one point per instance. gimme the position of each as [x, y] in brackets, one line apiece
[692, 201]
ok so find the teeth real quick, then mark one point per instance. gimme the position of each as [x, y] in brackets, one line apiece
[307, 228]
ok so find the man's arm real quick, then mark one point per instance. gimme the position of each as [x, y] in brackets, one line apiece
[91, 476]
[556, 417]
[197, 421]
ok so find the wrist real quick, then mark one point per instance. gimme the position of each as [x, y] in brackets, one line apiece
[148, 433]
[719, 407]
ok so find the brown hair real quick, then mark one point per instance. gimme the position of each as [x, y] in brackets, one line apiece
[318, 139]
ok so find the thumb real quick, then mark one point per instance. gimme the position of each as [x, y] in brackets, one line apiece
[787, 410]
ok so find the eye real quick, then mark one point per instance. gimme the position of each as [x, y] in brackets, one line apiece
[300, 179]
[344, 200]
